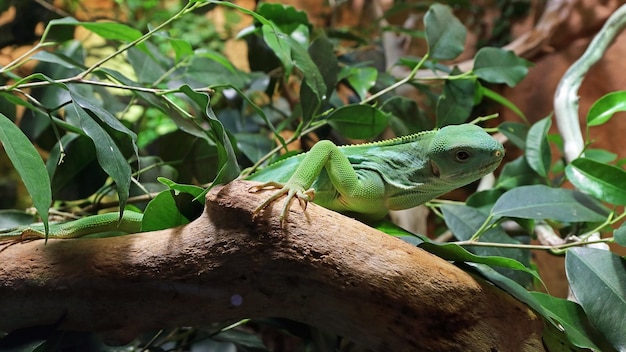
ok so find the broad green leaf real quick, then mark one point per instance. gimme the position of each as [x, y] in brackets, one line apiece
[358, 121]
[361, 79]
[162, 213]
[109, 156]
[606, 182]
[228, 168]
[57, 59]
[149, 67]
[541, 202]
[286, 18]
[92, 104]
[600, 155]
[453, 252]
[510, 286]
[59, 30]
[570, 317]
[277, 41]
[597, 279]
[323, 55]
[28, 165]
[538, 153]
[112, 30]
[517, 173]
[465, 221]
[312, 76]
[253, 145]
[455, 105]
[12, 218]
[516, 132]
[79, 175]
[604, 108]
[182, 48]
[497, 65]
[445, 34]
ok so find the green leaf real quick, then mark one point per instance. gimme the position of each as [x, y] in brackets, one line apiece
[286, 18]
[517, 173]
[620, 235]
[570, 317]
[604, 108]
[496, 65]
[600, 155]
[516, 132]
[465, 221]
[28, 165]
[228, 166]
[538, 153]
[606, 182]
[323, 55]
[445, 34]
[195, 191]
[277, 41]
[361, 79]
[358, 121]
[109, 155]
[112, 30]
[455, 105]
[597, 279]
[541, 202]
[162, 213]
[59, 30]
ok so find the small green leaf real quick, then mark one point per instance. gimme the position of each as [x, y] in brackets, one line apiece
[597, 279]
[455, 105]
[496, 65]
[517, 173]
[541, 202]
[538, 153]
[604, 108]
[445, 34]
[28, 165]
[195, 191]
[620, 235]
[276, 40]
[361, 79]
[600, 155]
[516, 132]
[358, 121]
[603, 181]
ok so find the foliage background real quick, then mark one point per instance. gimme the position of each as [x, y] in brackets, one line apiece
[146, 115]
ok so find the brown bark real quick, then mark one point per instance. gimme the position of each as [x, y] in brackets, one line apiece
[322, 268]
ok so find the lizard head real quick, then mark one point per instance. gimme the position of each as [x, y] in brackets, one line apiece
[461, 154]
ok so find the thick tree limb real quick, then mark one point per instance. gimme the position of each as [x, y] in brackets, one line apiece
[322, 268]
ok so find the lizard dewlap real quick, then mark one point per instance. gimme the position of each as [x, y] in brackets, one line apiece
[371, 179]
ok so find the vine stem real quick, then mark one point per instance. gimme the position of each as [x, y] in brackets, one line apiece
[404, 80]
[555, 248]
[566, 98]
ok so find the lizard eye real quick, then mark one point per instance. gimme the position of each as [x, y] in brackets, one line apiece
[462, 155]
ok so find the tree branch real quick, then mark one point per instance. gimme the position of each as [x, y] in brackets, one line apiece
[322, 268]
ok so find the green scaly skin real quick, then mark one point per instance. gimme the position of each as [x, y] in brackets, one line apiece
[129, 223]
[370, 179]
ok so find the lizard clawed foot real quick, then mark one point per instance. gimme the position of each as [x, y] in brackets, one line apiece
[292, 192]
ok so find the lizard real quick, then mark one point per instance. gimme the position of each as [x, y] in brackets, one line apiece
[130, 222]
[367, 180]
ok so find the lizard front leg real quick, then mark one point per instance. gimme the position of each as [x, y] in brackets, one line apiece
[348, 190]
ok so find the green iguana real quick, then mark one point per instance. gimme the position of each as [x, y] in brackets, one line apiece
[367, 179]
[371, 179]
